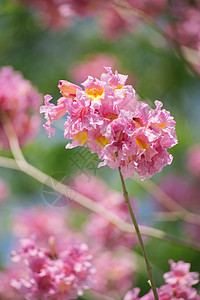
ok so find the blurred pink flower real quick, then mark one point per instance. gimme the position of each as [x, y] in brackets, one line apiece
[113, 20]
[90, 186]
[56, 14]
[3, 191]
[59, 14]
[7, 292]
[151, 8]
[113, 24]
[193, 231]
[106, 117]
[187, 193]
[193, 160]
[42, 223]
[182, 191]
[99, 231]
[115, 273]
[51, 274]
[178, 285]
[185, 27]
[104, 234]
[19, 101]
[117, 20]
[93, 65]
[132, 295]
[85, 8]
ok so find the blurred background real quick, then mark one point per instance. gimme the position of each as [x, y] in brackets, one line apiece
[46, 44]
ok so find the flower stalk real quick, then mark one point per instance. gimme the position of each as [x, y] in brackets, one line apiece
[137, 230]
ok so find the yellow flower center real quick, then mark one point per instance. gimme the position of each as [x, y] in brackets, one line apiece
[162, 125]
[95, 93]
[81, 137]
[137, 122]
[102, 141]
[141, 144]
[111, 117]
[119, 87]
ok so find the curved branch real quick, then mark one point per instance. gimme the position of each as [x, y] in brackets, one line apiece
[43, 178]
[140, 14]
[178, 210]
[21, 164]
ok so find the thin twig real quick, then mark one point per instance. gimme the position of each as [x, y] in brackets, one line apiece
[174, 207]
[140, 14]
[12, 138]
[148, 266]
[163, 216]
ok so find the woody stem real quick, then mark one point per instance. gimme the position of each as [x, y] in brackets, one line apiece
[137, 230]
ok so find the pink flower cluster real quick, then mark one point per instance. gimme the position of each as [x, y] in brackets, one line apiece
[107, 117]
[52, 275]
[43, 223]
[19, 101]
[54, 264]
[178, 285]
